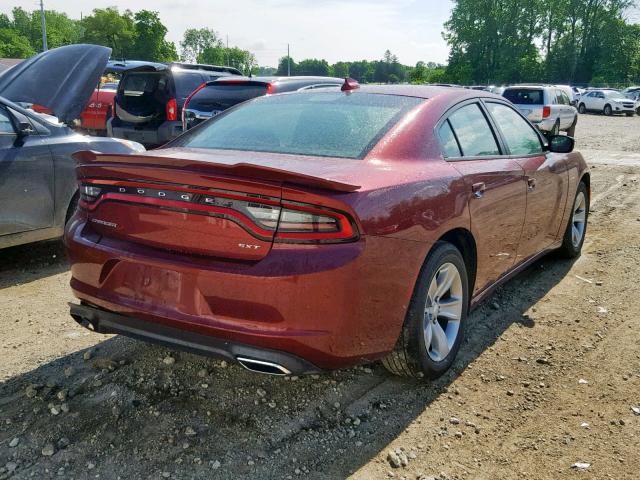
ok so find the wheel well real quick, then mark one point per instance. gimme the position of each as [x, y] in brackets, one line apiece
[463, 240]
[586, 178]
[71, 207]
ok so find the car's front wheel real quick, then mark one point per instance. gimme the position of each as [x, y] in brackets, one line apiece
[607, 110]
[434, 326]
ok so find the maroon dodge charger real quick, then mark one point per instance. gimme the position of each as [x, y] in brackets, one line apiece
[320, 229]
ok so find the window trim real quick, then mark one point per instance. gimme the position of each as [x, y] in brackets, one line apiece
[502, 145]
[504, 140]
[451, 111]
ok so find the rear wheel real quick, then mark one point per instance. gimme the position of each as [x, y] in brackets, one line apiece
[434, 326]
[582, 108]
[607, 110]
[577, 228]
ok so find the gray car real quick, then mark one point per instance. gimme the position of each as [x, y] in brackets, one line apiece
[38, 187]
[549, 108]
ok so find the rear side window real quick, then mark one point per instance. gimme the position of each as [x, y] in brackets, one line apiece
[520, 137]
[524, 96]
[186, 82]
[450, 148]
[225, 95]
[473, 132]
[312, 123]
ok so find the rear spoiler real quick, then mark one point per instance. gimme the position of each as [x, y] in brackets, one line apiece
[90, 158]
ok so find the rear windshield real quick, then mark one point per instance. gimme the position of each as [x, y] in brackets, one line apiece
[320, 123]
[138, 83]
[524, 96]
[223, 96]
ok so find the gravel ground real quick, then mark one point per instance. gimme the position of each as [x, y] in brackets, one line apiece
[544, 387]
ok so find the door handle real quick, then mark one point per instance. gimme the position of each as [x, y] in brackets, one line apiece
[478, 189]
[531, 183]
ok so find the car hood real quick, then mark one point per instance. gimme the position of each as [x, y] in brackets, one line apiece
[61, 79]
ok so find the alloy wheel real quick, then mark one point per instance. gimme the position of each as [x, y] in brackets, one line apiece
[443, 312]
[579, 219]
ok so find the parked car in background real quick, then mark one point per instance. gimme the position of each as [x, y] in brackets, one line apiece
[635, 96]
[150, 96]
[570, 93]
[630, 90]
[548, 108]
[321, 229]
[498, 90]
[93, 118]
[608, 102]
[214, 97]
[38, 187]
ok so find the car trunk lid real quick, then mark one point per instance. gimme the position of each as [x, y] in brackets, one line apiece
[217, 205]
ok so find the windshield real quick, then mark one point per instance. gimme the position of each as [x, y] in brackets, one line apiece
[320, 123]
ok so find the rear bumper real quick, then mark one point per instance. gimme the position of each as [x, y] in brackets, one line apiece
[332, 305]
[145, 135]
[256, 359]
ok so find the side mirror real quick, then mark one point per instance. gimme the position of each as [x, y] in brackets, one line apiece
[561, 144]
[24, 129]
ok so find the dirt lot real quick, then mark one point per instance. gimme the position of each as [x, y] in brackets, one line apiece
[547, 378]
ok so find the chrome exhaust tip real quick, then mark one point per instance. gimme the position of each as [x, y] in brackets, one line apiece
[260, 366]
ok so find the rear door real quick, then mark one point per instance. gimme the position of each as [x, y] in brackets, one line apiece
[546, 177]
[26, 178]
[497, 188]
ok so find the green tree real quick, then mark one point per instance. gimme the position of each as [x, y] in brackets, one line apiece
[313, 66]
[419, 74]
[14, 45]
[196, 40]
[283, 65]
[150, 42]
[341, 69]
[106, 26]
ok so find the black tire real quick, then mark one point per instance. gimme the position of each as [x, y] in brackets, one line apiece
[582, 109]
[572, 129]
[608, 111]
[411, 357]
[569, 248]
[71, 209]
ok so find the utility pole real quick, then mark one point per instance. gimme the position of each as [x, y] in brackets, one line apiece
[288, 62]
[227, 50]
[44, 27]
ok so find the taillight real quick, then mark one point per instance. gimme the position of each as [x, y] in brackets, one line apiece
[89, 193]
[264, 217]
[270, 88]
[546, 111]
[311, 224]
[172, 110]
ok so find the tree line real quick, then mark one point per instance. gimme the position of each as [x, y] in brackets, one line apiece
[557, 41]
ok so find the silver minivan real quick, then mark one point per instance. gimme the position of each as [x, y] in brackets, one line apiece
[549, 108]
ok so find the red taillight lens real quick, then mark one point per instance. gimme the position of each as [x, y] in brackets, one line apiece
[311, 224]
[270, 88]
[172, 110]
[546, 111]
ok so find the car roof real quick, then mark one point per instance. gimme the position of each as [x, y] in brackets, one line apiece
[294, 79]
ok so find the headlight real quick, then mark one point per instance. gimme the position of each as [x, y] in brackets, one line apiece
[135, 146]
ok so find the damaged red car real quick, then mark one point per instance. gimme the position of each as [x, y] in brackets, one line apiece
[321, 229]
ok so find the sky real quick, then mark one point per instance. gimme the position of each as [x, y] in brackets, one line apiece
[330, 29]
